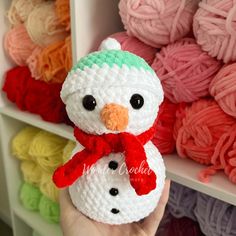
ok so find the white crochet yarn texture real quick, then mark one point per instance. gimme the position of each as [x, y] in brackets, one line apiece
[114, 83]
[90, 194]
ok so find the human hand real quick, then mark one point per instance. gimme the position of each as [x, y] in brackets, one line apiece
[74, 223]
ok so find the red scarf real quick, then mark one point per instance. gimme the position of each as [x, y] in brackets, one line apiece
[143, 180]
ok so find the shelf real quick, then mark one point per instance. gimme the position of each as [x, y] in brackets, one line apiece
[35, 120]
[36, 222]
[185, 172]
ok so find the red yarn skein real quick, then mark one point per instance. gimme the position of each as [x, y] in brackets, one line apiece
[35, 96]
[163, 138]
[200, 129]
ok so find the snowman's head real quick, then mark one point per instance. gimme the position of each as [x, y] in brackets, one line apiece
[112, 91]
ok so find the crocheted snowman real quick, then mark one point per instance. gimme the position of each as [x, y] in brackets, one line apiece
[115, 174]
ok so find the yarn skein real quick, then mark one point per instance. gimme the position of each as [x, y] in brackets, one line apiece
[67, 151]
[216, 218]
[63, 12]
[182, 201]
[135, 46]
[157, 23]
[200, 129]
[185, 70]
[43, 25]
[30, 197]
[32, 173]
[21, 143]
[51, 65]
[48, 188]
[163, 138]
[49, 210]
[18, 44]
[66, 54]
[215, 29]
[223, 88]
[20, 9]
[46, 148]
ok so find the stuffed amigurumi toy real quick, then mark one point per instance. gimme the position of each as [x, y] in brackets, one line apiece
[115, 175]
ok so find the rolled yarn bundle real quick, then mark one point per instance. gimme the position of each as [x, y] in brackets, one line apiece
[21, 142]
[200, 129]
[157, 23]
[48, 188]
[20, 9]
[18, 44]
[46, 148]
[185, 70]
[215, 30]
[49, 210]
[182, 201]
[223, 89]
[30, 197]
[67, 151]
[163, 137]
[135, 46]
[51, 65]
[43, 25]
[63, 12]
[32, 173]
[216, 218]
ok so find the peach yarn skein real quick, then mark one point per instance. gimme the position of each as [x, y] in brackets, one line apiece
[157, 22]
[20, 9]
[43, 25]
[18, 44]
[63, 12]
[185, 70]
[200, 129]
[223, 89]
[215, 29]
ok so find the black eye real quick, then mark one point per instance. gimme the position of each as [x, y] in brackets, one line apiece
[136, 101]
[89, 102]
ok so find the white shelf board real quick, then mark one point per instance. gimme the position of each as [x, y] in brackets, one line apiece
[62, 130]
[36, 222]
[185, 172]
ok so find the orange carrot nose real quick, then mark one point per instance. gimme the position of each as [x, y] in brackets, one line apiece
[115, 117]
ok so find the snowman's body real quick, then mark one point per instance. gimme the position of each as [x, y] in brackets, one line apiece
[92, 193]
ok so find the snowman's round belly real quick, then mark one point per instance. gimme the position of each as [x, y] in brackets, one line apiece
[104, 193]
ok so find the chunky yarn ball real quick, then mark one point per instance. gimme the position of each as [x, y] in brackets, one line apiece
[135, 46]
[46, 148]
[163, 138]
[21, 143]
[30, 196]
[67, 151]
[216, 218]
[48, 188]
[43, 25]
[185, 70]
[20, 9]
[182, 201]
[63, 12]
[51, 65]
[18, 44]
[32, 173]
[215, 30]
[200, 129]
[223, 89]
[157, 23]
[49, 210]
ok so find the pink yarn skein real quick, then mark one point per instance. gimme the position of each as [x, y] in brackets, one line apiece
[223, 89]
[18, 44]
[185, 70]
[215, 29]
[158, 23]
[135, 46]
